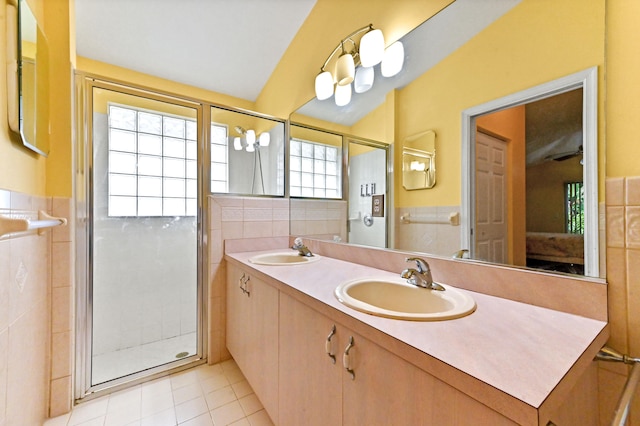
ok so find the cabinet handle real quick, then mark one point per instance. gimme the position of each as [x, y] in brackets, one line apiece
[345, 358]
[246, 286]
[327, 345]
[244, 279]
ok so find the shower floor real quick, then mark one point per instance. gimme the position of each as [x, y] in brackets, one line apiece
[112, 365]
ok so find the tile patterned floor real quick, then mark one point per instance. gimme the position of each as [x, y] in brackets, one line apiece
[207, 395]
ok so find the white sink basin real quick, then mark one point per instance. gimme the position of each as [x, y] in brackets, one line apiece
[395, 298]
[284, 258]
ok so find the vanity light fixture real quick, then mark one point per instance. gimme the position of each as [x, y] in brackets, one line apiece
[356, 63]
[250, 141]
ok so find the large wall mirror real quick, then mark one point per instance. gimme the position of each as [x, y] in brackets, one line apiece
[26, 76]
[460, 60]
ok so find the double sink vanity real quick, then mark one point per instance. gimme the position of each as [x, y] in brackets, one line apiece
[342, 338]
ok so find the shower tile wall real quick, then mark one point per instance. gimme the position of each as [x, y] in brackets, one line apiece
[441, 239]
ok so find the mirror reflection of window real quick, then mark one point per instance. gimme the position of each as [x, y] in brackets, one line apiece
[315, 163]
[315, 170]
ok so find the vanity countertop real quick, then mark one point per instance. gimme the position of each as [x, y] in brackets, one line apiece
[521, 350]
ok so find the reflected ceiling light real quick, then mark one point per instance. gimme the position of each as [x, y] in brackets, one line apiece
[264, 139]
[237, 143]
[364, 79]
[393, 60]
[371, 48]
[343, 95]
[251, 137]
[250, 142]
[324, 85]
[355, 64]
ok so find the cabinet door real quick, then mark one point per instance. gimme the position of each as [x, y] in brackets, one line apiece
[261, 329]
[252, 334]
[237, 305]
[385, 389]
[388, 390]
[310, 383]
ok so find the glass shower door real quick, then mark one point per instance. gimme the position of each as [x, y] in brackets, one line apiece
[143, 290]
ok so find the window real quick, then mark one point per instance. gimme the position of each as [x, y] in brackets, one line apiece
[152, 165]
[574, 199]
[315, 170]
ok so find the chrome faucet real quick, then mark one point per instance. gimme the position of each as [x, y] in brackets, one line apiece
[302, 249]
[421, 276]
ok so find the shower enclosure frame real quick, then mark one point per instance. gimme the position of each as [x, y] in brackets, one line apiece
[84, 84]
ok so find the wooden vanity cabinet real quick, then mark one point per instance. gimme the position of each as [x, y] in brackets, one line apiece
[384, 388]
[283, 347]
[252, 333]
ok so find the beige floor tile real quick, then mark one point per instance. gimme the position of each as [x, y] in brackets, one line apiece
[59, 420]
[163, 418]
[202, 396]
[215, 382]
[183, 378]
[206, 371]
[191, 409]
[261, 418]
[156, 403]
[99, 421]
[88, 410]
[202, 420]
[250, 404]
[126, 415]
[186, 393]
[227, 414]
[242, 388]
[234, 375]
[220, 397]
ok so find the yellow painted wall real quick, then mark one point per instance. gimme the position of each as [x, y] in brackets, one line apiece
[510, 124]
[623, 88]
[20, 169]
[536, 42]
[313, 135]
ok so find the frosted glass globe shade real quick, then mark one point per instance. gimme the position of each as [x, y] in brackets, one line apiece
[345, 69]
[364, 79]
[393, 60]
[371, 48]
[251, 137]
[264, 139]
[343, 95]
[324, 85]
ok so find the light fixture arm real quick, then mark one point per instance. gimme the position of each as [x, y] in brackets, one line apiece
[341, 44]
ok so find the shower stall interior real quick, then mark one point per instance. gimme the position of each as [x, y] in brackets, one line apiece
[142, 288]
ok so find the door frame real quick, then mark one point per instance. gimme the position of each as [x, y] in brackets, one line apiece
[588, 81]
[83, 194]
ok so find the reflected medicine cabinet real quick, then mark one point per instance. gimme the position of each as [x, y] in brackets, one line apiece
[419, 161]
